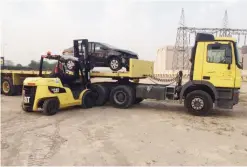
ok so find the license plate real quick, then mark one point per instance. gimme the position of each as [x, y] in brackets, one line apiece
[26, 99]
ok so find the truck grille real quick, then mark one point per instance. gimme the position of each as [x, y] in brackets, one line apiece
[29, 92]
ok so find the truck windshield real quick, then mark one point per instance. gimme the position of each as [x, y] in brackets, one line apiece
[237, 56]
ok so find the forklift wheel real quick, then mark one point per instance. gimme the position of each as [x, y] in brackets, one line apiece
[122, 96]
[88, 99]
[102, 94]
[50, 106]
[198, 103]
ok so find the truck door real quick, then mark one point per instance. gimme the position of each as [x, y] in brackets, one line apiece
[218, 66]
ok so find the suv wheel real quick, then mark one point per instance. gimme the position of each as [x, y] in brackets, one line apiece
[115, 64]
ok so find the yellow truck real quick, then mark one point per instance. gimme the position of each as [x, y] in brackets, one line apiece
[215, 79]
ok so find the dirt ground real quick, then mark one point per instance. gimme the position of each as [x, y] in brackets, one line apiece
[151, 133]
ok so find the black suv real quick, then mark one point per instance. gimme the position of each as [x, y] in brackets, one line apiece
[104, 55]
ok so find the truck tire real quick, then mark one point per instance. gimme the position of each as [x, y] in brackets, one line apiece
[138, 100]
[7, 87]
[122, 96]
[88, 99]
[198, 103]
[50, 106]
[102, 94]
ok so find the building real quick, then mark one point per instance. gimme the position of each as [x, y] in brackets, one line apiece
[165, 55]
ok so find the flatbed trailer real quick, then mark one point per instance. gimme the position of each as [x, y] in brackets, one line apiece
[12, 80]
[138, 69]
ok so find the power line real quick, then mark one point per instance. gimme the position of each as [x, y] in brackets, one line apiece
[187, 34]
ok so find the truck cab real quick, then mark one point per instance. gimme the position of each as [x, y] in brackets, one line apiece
[215, 69]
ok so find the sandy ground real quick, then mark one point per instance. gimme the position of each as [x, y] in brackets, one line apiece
[151, 133]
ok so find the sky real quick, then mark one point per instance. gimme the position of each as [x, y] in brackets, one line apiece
[30, 28]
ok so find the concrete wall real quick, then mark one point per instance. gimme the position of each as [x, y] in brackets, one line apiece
[164, 59]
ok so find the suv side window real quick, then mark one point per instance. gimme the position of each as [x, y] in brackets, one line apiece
[97, 47]
[218, 54]
[91, 47]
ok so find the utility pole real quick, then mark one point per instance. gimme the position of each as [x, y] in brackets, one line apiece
[225, 32]
[181, 49]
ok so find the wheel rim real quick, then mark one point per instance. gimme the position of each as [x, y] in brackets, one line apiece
[197, 103]
[114, 64]
[6, 87]
[120, 97]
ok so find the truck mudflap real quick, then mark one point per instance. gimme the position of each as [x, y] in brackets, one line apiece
[236, 94]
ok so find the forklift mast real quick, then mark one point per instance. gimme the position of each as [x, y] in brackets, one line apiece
[83, 65]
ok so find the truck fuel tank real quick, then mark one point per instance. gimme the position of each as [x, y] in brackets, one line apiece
[158, 92]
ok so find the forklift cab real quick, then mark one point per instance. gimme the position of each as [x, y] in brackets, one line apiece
[61, 89]
[69, 69]
[60, 71]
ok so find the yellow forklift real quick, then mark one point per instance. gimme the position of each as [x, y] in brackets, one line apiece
[60, 89]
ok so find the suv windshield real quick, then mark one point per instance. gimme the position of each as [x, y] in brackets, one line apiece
[237, 57]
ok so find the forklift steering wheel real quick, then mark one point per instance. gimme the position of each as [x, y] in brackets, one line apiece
[70, 65]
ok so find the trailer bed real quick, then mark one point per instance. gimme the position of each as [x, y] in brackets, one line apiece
[15, 78]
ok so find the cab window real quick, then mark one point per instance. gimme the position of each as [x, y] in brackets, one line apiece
[218, 54]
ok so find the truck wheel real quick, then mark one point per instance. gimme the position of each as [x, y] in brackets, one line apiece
[122, 96]
[115, 63]
[102, 94]
[7, 87]
[26, 109]
[50, 106]
[88, 99]
[138, 100]
[198, 103]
